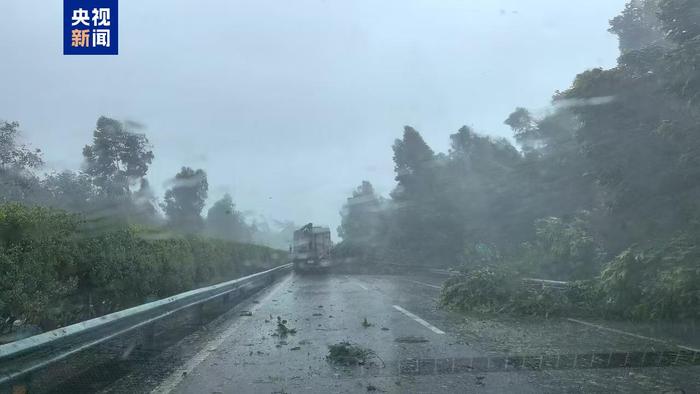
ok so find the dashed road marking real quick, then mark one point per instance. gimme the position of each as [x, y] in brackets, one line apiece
[357, 282]
[424, 284]
[171, 382]
[598, 326]
[419, 320]
[361, 285]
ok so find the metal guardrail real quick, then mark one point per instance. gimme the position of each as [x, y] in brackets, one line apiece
[545, 283]
[21, 358]
[529, 282]
[437, 271]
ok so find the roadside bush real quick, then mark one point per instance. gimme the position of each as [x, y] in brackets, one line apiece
[657, 282]
[55, 269]
[482, 289]
[496, 290]
[36, 264]
[661, 281]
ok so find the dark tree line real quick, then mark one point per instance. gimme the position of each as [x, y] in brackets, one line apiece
[613, 167]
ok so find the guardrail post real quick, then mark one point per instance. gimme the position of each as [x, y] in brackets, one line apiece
[149, 336]
[199, 314]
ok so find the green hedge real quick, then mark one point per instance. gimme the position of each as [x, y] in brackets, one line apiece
[57, 268]
[658, 281]
[496, 290]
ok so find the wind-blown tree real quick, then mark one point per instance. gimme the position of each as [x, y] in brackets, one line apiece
[117, 157]
[184, 201]
[638, 26]
[419, 218]
[117, 162]
[14, 155]
[17, 165]
[642, 147]
[525, 130]
[72, 191]
[414, 163]
[361, 217]
[482, 192]
[554, 167]
[225, 222]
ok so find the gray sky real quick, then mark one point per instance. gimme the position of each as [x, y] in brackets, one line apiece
[288, 105]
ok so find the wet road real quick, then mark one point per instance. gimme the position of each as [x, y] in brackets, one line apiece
[246, 354]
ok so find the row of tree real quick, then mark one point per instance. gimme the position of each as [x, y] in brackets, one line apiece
[615, 163]
[113, 186]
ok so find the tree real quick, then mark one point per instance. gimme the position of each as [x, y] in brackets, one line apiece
[681, 20]
[482, 192]
[225, 222]
[524, 129]
[17, 163]
[413, 159]
[184, 201]
[421, 226]
[15, 156]
[117, 157]
[642, 147]
[361, 216]
[638, 26]
[72, 191]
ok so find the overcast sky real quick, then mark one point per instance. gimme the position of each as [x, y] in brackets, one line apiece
[288, 105]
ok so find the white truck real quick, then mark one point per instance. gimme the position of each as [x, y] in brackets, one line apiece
[311, 248]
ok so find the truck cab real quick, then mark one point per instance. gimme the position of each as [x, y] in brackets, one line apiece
[311, 248]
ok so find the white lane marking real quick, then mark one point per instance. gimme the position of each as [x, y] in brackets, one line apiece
[356, 282]
[361, 285]
[424, 284]
[598, 326]
[169, 384]
[419, 320]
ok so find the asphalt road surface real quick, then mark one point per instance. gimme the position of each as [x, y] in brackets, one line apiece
[416, 347]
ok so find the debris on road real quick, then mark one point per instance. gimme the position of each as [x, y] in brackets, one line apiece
[282, 329]
[346, 353]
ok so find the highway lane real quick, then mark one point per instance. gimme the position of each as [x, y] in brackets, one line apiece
[245, 355]
[326, 310]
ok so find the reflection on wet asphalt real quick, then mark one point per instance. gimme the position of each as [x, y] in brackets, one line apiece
[418, 347]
